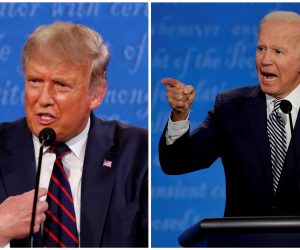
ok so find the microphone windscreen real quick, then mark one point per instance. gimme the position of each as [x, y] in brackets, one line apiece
[286, 106]
[48, 136]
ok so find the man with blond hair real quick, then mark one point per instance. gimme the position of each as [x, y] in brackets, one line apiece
[247, 128]
[96, 172]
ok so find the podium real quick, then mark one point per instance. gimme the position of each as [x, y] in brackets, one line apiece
[281, 231]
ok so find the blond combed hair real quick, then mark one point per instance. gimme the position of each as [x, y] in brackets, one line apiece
[74, 43]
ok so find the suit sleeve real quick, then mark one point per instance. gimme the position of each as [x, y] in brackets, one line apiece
[195, 150]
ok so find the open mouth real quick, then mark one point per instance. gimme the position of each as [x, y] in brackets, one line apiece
[45, 118]
[268, 76]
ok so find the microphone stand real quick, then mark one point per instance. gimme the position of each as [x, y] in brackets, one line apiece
[36, 189]
[46, 137]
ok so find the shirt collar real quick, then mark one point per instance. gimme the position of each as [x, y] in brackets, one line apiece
[293, 97]
[76, 143]
[269, 100]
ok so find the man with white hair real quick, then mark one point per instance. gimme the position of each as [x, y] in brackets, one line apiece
[96, 172]
[247, 128]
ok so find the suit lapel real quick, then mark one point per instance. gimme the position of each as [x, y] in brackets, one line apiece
[257, 114]
[19, 168]
[297, 135]
[97, 182]
[289, 163]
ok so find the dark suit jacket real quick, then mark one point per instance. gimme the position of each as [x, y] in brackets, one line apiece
[236, 131]
[114, 201]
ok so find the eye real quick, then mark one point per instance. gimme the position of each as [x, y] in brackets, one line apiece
[278, 51]
[260, 48]
[34, 81]
[61, 84]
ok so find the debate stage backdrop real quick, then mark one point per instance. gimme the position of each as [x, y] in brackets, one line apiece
[211, 46]
[124, 27]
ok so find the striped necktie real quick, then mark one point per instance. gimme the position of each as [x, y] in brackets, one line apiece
[60, 226]
[277, 139]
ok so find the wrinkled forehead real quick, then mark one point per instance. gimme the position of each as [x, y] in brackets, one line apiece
[280, 27]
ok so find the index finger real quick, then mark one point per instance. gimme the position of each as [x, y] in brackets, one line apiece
[42, 192]
[173, 82]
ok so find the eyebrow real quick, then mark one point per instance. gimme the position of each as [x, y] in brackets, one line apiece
[272, 47]
[59, 79]
[68, 81]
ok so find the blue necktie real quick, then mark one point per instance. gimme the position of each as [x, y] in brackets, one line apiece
[60, 226]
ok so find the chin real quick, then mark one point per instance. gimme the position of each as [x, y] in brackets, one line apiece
[273, 93]
[36, 131]
[268, 89]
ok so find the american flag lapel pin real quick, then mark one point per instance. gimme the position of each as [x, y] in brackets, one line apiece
[107, 163]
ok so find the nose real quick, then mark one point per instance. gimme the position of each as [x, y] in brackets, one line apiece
[46, 95]
[267, 58]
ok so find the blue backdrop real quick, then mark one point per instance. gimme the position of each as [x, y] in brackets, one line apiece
[211, 46]
[124, 27]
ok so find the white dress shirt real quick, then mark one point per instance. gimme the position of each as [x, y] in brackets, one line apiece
[294, 98]
[73, 165]
[177, 129]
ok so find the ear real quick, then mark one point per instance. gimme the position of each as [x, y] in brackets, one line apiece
[97, 95]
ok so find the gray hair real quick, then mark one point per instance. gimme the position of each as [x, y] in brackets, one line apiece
[281, 16]
[73, 42]
[289, 17]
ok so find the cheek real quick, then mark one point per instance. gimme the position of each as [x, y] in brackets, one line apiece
[65, 106]
[30, 98]
[62, 99]
[257, 62]
[297, 68]
[286, 72]
[72, 106]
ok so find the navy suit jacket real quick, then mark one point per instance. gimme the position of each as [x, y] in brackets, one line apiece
[114, 201]
[236, 130]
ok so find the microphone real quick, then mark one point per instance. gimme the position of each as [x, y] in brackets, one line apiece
[286, 107]
[47, 137]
